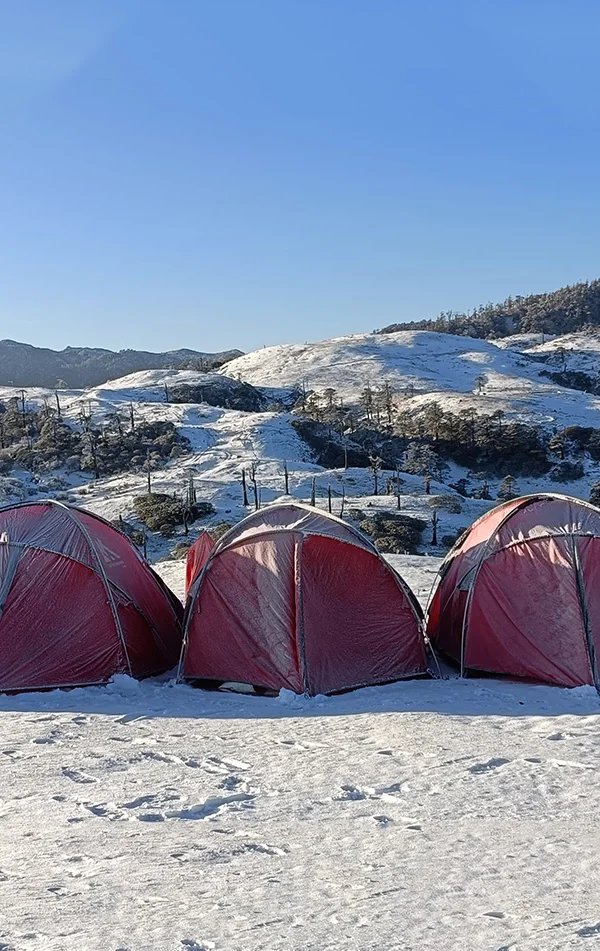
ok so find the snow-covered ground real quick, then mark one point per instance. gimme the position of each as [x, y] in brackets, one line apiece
[442, 815]
[436, 366]
[439, 815]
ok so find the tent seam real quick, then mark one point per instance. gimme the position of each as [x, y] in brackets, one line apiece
[105, 581]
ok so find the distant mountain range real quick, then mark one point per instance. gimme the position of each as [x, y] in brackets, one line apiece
[21, 364]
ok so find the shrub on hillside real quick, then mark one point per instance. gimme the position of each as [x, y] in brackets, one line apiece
[566, 471]
[395, 534]
[447, 503]
[217, 531]
[126, 528]
[328, 447]
[449, 540]
[162, 513]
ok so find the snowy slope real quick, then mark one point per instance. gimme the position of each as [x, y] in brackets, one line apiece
[436, 366]
[430, 816]
[577, 351]
[522, 343]
[222, 442]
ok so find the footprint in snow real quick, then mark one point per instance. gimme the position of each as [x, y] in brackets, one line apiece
[489, 766]
[226, 763]
[383, 793]
[214, 806]
[265, 849]
[104, 810]
[589, 931]
[192, 945]
[77, 776]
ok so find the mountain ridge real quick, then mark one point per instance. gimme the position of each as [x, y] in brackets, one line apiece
[23, 364]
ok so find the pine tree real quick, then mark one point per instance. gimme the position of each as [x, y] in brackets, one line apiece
[508, 489]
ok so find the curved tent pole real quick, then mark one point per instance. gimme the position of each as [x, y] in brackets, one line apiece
[192, 599]
[523, 503]
[299, 613]
[524, 500]
[158, 581]
[104, 577]
[366, 545]
[585, 617]
[309, 510]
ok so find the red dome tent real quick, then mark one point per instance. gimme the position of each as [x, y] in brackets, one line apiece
[292, 597]
[77, 602]
[519, 593]
[197, 557]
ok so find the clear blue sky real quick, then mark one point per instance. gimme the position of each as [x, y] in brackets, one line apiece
[220, 173]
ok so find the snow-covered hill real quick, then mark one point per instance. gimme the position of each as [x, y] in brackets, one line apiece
[223, 442]
[433, 366]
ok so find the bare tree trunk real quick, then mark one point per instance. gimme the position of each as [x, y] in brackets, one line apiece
[58, 412]
[131, 418]
[434, 525]
[244, 487]
[343, 501]
[329, 498]
[398, 495]
[94, 455]
[286, 476]
[254, 486]
[313, 492]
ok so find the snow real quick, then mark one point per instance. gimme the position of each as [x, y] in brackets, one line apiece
[431, 815]
[522, 343]
[421, 815]
[442, 367]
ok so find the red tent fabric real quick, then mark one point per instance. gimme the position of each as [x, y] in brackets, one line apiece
[519, 594]
[77, 602]
[295, 598]
[197, 557]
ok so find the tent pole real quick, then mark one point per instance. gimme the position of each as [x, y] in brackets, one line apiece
[585, 616]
